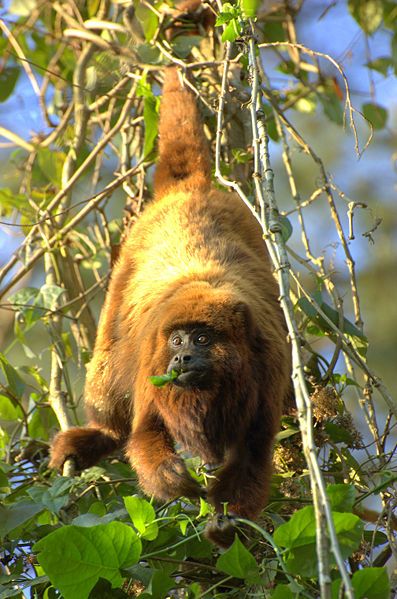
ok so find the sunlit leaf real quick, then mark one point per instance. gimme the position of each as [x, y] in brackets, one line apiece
[148, 20]
[51, 165]
[249, 7]
[74, 558]
[298, 536]
[368, 13]
[342, 497]
[238, 561]
[150, 115]
[10, 201]
[232, 31]
[8, 409]
[22, 8]
[142, 516]
[368, 583]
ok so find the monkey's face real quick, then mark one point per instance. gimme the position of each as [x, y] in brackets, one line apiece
[190, 351]
[206, 336]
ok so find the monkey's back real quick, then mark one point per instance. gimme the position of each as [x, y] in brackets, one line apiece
[188, 236]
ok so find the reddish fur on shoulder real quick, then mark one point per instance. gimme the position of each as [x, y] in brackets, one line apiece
[196, 256]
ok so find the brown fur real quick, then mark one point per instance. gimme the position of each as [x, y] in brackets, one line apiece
[195, 256]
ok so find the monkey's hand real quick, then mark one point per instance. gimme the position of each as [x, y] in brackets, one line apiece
[173, 480]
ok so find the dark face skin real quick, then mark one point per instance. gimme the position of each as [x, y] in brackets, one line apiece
[190, 356]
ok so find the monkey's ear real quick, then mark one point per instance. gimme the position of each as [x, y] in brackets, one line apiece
[254, 335]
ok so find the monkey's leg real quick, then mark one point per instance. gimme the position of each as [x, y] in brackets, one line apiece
[243, 484]
[161, 472]
[244, 480]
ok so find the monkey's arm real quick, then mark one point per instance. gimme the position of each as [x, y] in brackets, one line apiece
[85, 445]
[160, 470]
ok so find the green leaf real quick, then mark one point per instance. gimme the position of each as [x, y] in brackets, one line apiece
[142, 516]
[238, 561]
[310, 310]
[23, 296]
[341, 497]
[349, 529]
[298, 531]
[33, 304]
[150, 114]
[13, 379]
[10, 201]
[338, 434]
[183, 44]
[375, 537]
[282, 591]
[103, 590]
[14, 516]
[205, 508]
[148, 20]
[148, 54]
[74, 558]
[371, 583]
[8, 78]
[163, 379]
[48, 296]
[375, 114]
[249, 8]
[298, 536]
[160, 584]
[8, 409]
[382, 65]
[306, 105]
[92, 7]
[41, 422]
[51, 165]
[332, 106]
[286, 433]
[343, 379]
[229, 12]
[367, 13]
[53, 498]
[270, 122]
[273, 31]
[232, 31]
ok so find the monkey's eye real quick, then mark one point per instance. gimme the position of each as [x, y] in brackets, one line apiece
[203, 339]
[176, 341]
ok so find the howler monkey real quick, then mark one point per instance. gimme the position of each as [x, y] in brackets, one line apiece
[192, 292]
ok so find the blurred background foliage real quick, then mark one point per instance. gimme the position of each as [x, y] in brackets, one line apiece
[79, 97]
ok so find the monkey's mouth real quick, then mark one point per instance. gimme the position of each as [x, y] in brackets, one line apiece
[190, 378]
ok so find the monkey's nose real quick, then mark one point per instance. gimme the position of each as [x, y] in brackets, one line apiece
[182, 358]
